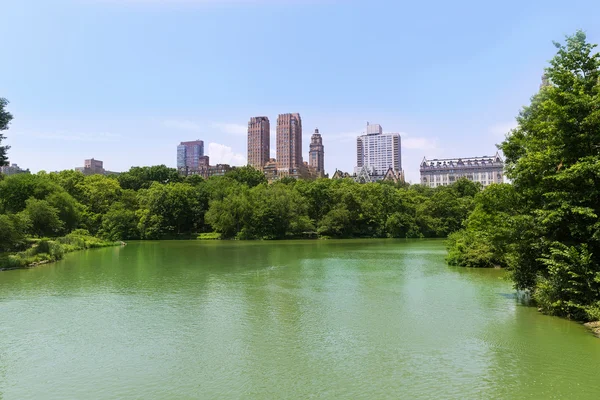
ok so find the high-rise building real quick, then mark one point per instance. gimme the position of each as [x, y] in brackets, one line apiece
[378, 151]
[289, 144]
[189, 155]
[259, 142]
[316, 155]
[441, 172]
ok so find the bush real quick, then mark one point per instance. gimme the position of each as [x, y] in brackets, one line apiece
[466, 249]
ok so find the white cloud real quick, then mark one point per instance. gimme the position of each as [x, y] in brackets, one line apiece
[183, 125]
[221, 154]
[233, 129]
[76, 137]
[500, 130]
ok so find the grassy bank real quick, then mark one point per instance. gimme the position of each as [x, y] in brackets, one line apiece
[43, 251]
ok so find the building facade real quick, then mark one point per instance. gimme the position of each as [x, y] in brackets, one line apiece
[205, 170]
[13, 169]
[316, 154]
[369, 175]
[259, 142]
[92, 167]
[189, 155]
[289, 144]
[441, 172]
[378, 151]
[201, 169]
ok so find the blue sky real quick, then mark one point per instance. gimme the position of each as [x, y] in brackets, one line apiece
[125, 81]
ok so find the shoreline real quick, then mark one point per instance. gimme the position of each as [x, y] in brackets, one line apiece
[46, 251]
[593, 327]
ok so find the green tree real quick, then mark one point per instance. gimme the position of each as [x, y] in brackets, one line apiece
[69, 210]
[488, 230]
[142, 177]
[170, 209]
[120, 223]
[247, 175]
[231, 214]
[336, 223]
[43, 217]
[71, 181]
[13, 229]
[277, 211]
[553, 160]
[16, 189]
[5, 118]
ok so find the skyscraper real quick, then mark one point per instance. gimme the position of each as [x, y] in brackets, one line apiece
[378, 151]
[189, 155]
[289, 143]
[259, 142]
[317, 153]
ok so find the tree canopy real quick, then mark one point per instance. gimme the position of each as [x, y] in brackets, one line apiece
[5, 118]
[545, 228]
[155, 203]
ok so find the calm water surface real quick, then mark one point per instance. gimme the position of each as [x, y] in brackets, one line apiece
[281, 320]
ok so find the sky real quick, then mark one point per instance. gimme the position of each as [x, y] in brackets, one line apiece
[125, 81]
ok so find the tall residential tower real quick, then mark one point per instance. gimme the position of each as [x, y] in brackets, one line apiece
[316, 155]
[289, 143]
[259, 142]
[378, 151]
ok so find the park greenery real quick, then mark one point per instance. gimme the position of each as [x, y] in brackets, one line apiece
[157, 203]
[544, 227]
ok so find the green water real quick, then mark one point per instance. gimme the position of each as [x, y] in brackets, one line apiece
[281, 320]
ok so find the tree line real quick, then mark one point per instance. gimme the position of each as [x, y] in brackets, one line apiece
[544, 227]
[157, 203]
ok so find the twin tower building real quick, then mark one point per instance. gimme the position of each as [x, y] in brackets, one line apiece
[289, 160]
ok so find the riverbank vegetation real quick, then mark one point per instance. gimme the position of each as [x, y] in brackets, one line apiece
[544, 227]
[44, 250]
[156, 203]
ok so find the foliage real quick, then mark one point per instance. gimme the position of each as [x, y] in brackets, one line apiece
[545, 229]
[47, 250]
[142, 177]
[120, 223]
[247, 176]
[149, 203]
[209, 236]
[43, 217]
[13, 230]
[5, 118]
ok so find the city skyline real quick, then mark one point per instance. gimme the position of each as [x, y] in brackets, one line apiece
[100, 93]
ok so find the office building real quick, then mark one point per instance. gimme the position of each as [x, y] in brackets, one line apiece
[189, 155]
[259, 142]
[289, 144]
[377, 152]
[316, 154]
[441, 172]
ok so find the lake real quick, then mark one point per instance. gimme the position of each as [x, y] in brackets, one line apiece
[356, 319]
